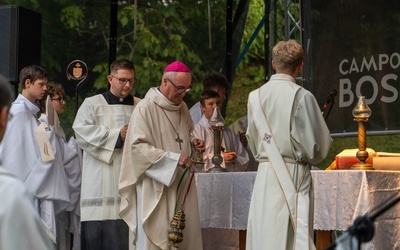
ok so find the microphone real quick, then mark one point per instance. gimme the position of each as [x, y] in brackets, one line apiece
[330, 100]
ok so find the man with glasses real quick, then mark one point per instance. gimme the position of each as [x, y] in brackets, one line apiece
[100, 127]
[155, 165]
[69, 159]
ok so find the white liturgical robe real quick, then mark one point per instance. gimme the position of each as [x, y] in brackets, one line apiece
[302, 137]
[230, 142]
[20, 151]
[20, 225]
[150, 175]
[196, 113]
[97, 127]
[70, 159]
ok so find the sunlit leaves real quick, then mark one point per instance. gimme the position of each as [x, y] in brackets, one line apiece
[72, 16]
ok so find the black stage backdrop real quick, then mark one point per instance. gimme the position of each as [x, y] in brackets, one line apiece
[356, 51]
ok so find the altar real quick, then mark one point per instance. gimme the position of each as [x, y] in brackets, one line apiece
[340, 197]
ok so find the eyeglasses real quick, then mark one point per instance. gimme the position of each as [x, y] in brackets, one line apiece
[180, 89]
[124, 80]
[59, 99]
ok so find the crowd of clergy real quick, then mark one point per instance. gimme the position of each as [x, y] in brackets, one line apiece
[76, 183]
[124, 181]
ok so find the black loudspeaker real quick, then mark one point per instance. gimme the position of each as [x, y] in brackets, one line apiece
[20, 40]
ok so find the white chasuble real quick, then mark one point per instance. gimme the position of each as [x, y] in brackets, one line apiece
[302, 137]
[97, 127]
[150, 175]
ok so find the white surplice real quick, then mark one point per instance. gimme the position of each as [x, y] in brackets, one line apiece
[302, 137]
[97, 127]
[230, 142]
[20, 225]
[150, 175]
[70, 159]
[47, 181]
[195, 113]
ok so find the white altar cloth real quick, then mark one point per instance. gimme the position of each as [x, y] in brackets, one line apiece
[343, 195]
[340, 197]
[224, 199]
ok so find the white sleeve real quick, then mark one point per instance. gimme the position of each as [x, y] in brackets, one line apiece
[164, 169]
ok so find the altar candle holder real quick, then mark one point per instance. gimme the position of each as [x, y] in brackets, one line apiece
[361, 113]
[217, 125]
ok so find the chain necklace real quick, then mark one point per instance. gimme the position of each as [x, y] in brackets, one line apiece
[177, 139]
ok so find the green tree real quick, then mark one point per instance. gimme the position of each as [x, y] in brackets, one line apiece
[151, 34]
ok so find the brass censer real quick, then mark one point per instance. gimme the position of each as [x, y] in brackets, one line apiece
[177, 225]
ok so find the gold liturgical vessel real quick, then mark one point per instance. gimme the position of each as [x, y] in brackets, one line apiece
[361, 113]
[217, 125]
[177, 224]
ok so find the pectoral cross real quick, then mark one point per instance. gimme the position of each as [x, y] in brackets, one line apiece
[178, 140]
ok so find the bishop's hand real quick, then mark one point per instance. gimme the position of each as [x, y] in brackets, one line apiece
[185, 161]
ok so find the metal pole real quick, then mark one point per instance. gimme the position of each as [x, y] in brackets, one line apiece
[267, 68]
[228, 55]
[112, 56]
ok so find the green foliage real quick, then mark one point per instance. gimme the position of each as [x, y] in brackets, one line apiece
[250, 74]
[68, 117]
[101, 82]
[72, 16]
[152, 34]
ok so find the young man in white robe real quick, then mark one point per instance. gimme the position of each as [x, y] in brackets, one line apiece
[156, 158]
[52, 105]
[29, 150]
[20, 224]
[214, 81]
[286, 133]
[100, 127]
[234, 155]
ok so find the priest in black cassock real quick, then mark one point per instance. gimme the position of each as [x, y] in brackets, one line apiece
[100, 128]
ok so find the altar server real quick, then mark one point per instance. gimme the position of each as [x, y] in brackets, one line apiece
[286, 133]
[69, 157]
[234, 155]
[20, 224]
[29, 150]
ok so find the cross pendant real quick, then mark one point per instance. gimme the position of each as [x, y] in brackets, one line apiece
[178, 140]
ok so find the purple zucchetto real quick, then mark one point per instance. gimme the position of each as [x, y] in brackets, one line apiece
[177, 66]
